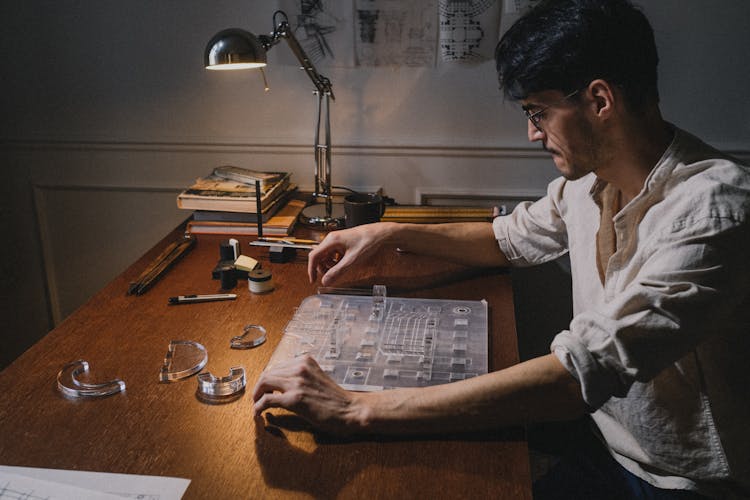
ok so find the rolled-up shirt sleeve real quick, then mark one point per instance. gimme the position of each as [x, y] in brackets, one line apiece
[534, 233]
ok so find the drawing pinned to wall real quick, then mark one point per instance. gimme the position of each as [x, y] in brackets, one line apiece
[324, 29]
[395, 33]
[469, 29]
[512, 10]
[312, 29]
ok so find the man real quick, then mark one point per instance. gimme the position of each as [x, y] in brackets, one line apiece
[655, 223]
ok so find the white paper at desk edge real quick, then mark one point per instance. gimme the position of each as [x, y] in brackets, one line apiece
[168, 488]
[25, 487]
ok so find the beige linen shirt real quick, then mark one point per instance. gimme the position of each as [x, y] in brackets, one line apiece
[661, 346]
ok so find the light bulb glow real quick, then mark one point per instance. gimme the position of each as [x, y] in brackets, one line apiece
[233, 66]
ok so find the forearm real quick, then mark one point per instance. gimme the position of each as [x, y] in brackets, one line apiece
[471, 243]
[537, 390]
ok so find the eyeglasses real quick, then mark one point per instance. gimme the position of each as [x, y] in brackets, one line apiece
[536, 117]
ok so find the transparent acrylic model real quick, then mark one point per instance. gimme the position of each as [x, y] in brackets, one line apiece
[183, 359]
[252, 336]
[378, 342]
[217, 389]
[69, 384]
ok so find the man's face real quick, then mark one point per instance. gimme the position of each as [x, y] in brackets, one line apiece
[560, 124]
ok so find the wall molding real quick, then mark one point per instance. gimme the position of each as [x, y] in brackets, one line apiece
[50, 261]
[209, 146]
[278, 148]
[66, 186]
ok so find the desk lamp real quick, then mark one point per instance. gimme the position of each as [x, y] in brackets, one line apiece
[239, 49]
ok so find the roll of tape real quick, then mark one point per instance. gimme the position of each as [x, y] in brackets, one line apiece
[260, 281]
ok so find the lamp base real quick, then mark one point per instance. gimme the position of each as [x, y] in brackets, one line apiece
[315, 216]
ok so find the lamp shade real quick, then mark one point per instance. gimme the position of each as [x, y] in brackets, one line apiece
[234, 48]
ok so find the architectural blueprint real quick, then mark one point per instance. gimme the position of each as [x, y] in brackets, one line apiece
[395, 33]
[417, 33]
[468, 29]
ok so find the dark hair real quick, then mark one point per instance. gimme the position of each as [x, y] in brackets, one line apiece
[565, 44]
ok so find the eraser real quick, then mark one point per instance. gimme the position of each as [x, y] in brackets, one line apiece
[245, 263]
[235, 247]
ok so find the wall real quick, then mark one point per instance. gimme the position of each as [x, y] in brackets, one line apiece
[108, 113]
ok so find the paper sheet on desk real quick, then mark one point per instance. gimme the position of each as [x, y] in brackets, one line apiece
[83, 485]
[16, 486]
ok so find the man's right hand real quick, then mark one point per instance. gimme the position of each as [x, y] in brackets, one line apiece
[341, 249]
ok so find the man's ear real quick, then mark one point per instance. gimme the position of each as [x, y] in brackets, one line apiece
[604, 97]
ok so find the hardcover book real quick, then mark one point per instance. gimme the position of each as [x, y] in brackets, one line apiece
[252, 217]
[281, 224]
[217, 193]
[248, 176]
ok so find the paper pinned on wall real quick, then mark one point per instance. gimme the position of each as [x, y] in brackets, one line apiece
[323, 29]
[469, 31]
[395, 33]
[365, 32]
[512, 10]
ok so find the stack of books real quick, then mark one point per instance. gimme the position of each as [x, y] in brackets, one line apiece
[225, 202]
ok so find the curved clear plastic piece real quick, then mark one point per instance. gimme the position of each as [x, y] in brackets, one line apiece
[252, 336]
[183, 359]
[68, 383]
[212, 387]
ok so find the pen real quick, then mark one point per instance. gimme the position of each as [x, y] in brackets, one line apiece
[281, 243]
[288, 240]
[189, 299]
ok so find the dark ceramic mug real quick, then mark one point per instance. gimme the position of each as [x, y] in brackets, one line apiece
[363, 208]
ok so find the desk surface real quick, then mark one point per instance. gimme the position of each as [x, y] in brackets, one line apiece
[163, 429]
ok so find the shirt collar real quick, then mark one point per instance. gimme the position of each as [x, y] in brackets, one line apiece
[658, 174]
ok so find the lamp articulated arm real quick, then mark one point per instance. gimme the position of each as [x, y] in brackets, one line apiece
[282, 30]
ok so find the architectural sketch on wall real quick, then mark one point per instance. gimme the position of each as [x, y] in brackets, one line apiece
[468, 29]
[395, 33]
[323, 28]
[312, 28]
[512, 10]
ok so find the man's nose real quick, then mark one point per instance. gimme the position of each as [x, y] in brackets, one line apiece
[533, 133]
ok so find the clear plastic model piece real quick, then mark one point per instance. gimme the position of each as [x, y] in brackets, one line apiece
[211, 387]
[376, 342]
[68, 383]
[252, 336]
[183, 359]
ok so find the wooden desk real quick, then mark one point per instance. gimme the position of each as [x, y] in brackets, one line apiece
[162, 429]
